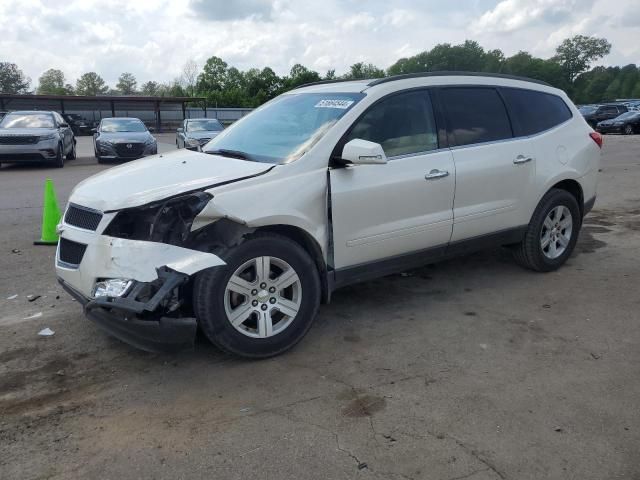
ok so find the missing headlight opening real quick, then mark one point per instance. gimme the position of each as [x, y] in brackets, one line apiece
[166, 222]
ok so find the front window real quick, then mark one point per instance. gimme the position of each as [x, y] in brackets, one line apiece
[122, 125]
[285, 128]
[29, 120]
[628, 115]
[204, 126]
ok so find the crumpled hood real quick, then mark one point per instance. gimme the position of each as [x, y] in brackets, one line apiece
[159, 176]
[122, 137]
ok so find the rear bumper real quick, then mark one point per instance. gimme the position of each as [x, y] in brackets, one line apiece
[166, 334]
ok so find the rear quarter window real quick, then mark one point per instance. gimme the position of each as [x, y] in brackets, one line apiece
[534, 112]
[475, 115]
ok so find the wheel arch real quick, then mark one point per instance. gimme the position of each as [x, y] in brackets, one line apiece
[574, 188]
[309, 244]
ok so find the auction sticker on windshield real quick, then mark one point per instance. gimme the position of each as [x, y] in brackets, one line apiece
[341, 104]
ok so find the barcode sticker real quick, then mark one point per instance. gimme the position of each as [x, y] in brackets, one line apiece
[341, 104]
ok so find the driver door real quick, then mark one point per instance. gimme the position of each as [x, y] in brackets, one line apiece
[389, 211]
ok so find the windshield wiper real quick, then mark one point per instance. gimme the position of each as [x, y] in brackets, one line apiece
[232, 154]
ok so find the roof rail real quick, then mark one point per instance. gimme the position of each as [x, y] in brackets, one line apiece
[323, 82]
[456, 73]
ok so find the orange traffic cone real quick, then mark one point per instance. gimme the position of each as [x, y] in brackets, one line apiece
[50, 216]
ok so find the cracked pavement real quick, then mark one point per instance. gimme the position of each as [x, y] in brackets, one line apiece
[468, 369]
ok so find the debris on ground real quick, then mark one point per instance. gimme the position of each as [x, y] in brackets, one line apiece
[362, 466]
[557, 429]
[60, 373]
[33, 298]
[46, 332]
[595, 356]
[11, 297]
[35, 315]
[16, 251]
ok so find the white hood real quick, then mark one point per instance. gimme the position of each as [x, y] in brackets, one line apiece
[159, 176]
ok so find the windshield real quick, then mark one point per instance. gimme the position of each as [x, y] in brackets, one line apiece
[203, 126]
[124, 125]
[589, 109]
[29, 120]
[285, 128]
[627, 115]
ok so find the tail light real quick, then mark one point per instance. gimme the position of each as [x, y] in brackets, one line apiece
[596, 137]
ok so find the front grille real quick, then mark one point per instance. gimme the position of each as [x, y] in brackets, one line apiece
[82, 217]
[71, 252]
[18, 139]
[129, 149]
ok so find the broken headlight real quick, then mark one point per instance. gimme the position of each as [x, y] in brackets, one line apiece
[168, 221]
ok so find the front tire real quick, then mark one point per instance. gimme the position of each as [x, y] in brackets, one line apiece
[263, 301]
[551, 234]
[59, 160]
[628, 130]
[72, 153]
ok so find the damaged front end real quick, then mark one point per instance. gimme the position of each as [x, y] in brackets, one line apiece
[132, 272]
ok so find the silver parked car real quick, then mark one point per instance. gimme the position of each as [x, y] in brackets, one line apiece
[123, 139]
[196, 133]
[36, 136]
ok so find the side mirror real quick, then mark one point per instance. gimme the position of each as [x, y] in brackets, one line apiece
[151, 129]
[94, 130]
[63, 125]
[363, 152]
[180, 130]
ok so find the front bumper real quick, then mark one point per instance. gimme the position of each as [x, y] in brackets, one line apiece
[37, 152]
[148, 316]
[610, 128]
[165, 334]
[108, 151]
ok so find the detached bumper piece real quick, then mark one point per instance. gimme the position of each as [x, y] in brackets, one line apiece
[124, 317]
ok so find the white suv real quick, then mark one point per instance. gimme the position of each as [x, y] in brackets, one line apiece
[324, 186]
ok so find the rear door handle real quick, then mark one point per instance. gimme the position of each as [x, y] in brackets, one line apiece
[435, 173]
[522, 159]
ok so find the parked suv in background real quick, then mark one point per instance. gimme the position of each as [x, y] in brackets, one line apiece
[597, 113]
[36, 136]
[195, 133]
[324, 186]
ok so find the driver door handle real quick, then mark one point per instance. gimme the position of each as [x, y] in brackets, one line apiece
[435, 173]
[522, 159]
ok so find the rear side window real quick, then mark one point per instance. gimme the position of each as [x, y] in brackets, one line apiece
[475, 115]
[403, 124]
[534, 112]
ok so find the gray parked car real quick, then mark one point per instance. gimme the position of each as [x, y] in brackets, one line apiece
[123, 139]
[195, 133]
[36, 136]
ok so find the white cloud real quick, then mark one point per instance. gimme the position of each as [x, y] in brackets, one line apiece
[153, 38]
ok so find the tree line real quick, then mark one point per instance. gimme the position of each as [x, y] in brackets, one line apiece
[226, 86]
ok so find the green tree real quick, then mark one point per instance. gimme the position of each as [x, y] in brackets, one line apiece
[12, 79]
[361, 71]
[127, 84]
[300, 75]
[150, 88]
[577, 53]
[213, 75]
[91, 83]
[52, 82]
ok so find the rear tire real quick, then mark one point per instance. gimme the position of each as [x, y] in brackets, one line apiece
[217, 300]
[551, 234]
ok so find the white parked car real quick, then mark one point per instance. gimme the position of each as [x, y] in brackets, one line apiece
[324, 186]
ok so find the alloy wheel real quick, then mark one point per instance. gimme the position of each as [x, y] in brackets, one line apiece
[556, 232]
[263, 297]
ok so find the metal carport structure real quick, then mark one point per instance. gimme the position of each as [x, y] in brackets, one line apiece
[111, 105]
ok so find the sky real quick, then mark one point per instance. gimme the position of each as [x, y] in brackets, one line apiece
[154, 38]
